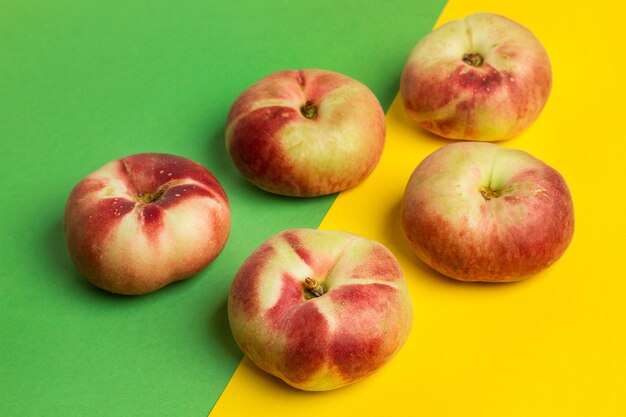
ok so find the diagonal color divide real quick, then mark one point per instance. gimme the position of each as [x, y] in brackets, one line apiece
[551, 345]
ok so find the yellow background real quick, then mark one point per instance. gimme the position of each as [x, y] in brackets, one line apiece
[552, 345]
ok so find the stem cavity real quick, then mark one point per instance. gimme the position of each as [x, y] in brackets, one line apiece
[309, 110]
[146, 197]
[489, 193]
[474, 59]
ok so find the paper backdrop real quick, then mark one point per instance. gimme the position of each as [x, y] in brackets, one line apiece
[82, 83]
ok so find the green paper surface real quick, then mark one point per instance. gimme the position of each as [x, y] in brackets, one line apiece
[86, 82]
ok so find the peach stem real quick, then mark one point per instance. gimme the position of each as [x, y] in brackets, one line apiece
[313, 286]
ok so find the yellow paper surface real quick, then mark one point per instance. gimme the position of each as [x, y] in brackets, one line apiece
[552, 345]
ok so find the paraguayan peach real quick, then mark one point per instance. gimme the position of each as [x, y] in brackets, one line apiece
[306, 133]
[320, 309]
[481, 78]
[477, 211]
[144, 221]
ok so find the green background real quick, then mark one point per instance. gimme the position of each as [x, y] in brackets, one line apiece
[85, 82]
